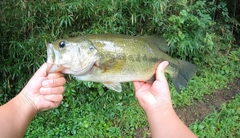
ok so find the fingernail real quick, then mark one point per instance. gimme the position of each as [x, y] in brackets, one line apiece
[45, 83]
[165, 63]
[42, 91]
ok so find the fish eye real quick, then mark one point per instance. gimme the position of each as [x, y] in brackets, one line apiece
[62, 44]
[91, 48]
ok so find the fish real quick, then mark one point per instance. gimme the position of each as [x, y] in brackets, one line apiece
[114, 58]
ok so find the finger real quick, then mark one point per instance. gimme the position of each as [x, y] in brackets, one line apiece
[54, 82]
[53, 98]
[161, 83]
[50, 91]
[137, 84]
[160, 76]
[55, 75]
[49, 67]
[42, 71]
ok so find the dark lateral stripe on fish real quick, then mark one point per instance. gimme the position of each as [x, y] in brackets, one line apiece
[133, 58]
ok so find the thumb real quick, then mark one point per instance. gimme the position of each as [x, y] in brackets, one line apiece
[160, 76]
[42, 71]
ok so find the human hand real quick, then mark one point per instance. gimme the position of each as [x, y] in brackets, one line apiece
[44, 91]
[154, 96]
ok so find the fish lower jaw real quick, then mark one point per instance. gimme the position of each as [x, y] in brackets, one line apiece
[55, 68]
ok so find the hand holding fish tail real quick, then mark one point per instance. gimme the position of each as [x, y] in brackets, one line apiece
[154, 95]
[156, 101]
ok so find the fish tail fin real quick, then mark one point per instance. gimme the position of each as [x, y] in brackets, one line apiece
[185, 71]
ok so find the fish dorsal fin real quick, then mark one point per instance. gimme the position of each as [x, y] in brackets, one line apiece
[159, 41]
[116, 86]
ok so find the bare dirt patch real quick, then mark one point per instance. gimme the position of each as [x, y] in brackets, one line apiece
[200, 109]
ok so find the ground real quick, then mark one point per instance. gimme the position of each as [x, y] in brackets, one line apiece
[200, 109]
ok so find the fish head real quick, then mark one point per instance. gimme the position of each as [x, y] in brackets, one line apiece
[71, 57]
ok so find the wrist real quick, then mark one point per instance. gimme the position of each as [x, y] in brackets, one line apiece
[165, 108]
[163, 111]
[25, 104]
[15, 116]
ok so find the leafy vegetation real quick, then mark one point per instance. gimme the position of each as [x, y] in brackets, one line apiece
[223, 123]
[108, 115]
[199, 31]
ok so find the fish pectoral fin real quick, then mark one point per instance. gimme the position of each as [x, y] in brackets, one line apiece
[116, 86]
[113, 64]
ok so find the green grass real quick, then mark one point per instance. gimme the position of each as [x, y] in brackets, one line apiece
[209, 78]
[222, 123]
[109, 115]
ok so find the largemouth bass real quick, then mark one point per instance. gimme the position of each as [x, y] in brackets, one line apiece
[111, 59]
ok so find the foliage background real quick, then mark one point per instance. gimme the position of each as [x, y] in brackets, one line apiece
[205, 32]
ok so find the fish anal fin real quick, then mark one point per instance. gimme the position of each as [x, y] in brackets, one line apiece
[116, 86]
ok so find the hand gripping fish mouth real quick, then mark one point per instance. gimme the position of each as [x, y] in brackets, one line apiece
[54, 58]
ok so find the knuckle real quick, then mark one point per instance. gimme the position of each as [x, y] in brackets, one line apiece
[49, 90]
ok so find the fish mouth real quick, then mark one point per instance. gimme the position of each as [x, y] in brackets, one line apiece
[50, 54]
[51, 57]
